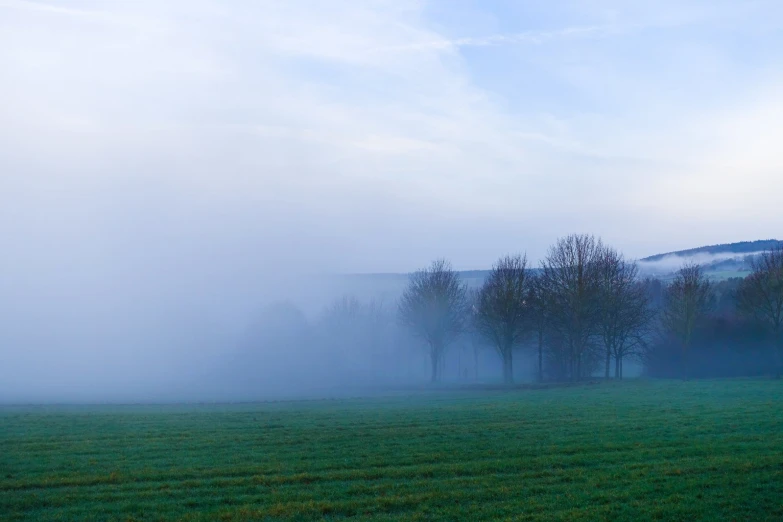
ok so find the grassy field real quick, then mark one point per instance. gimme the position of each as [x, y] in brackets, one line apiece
[644, 450]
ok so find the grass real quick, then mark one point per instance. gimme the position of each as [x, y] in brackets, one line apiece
[644, 450]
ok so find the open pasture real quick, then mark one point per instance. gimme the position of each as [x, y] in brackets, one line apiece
[642, 450]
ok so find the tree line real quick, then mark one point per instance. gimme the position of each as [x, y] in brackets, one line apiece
[586, 309]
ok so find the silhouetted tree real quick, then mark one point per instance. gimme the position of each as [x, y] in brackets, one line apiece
[435, 308]
[538, 321]
[359, 336]
[760, 295]
[687, 300]
[503, 306]
[625, 311]
[343, 314]
[477, 341]
[655, 290]
[571, 287]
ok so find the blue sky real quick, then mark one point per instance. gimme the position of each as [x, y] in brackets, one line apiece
[377, 135]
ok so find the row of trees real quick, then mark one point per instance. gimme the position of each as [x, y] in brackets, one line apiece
[583, 307]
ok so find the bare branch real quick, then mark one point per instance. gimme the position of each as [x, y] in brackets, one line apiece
[570, 295]
[760, 295]
[503, 308]
[625, 311]
[687, 300]
[434, 307]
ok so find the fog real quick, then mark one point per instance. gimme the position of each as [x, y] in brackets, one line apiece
[671, 263]
[170, 170]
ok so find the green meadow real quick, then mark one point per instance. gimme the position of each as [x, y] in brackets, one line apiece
[637, 450]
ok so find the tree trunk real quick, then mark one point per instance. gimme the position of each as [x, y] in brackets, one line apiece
[475, 360]
[441, 365]
[572, 364]
[608, 360]
[435, 360]
[686, 356]
[779, 368]
[508, 367]
[778, 342]
[617, 363]
[540, 356]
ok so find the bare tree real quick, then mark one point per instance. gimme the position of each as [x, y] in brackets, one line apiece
[538, 320]
[625, 311]
[342, 313]
[503, 306]
[570, 290]
[477, 341]
[435, 308]
[761, 295]
[687, 300]
[358, 336]
[477, 345]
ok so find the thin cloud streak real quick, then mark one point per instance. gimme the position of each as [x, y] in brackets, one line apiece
[90, 15]
[526, 37]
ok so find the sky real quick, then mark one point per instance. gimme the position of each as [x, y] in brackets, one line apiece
[160, 158]
[371, 136]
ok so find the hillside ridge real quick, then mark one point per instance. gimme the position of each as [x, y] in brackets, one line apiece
[741, 247]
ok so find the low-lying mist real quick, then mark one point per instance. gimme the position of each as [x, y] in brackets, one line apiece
[670, 263]
[180, 335]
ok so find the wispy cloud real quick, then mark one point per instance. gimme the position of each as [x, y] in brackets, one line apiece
[63, 9]
[526, 37]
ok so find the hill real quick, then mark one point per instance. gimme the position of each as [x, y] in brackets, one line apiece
[719, 261]
[742, 247]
